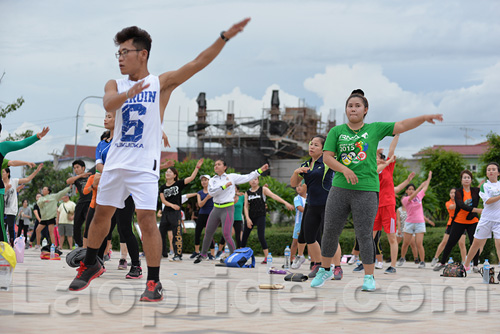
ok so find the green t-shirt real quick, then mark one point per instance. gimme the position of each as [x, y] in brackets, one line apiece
[238, 208]
[358, 151]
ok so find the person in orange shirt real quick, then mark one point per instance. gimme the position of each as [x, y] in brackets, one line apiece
[450, 206]
[465, 218]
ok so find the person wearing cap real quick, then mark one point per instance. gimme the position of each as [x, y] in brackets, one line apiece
[64, 220]
[206, 204]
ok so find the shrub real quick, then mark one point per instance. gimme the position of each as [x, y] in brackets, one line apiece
[278, 237]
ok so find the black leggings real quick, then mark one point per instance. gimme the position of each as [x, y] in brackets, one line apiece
[123, 218]
[45, 233]
[24, 229]
[261, 231]
[238, 227]
[302, 234]
[81, 210]
[376, 239]
[90, 215]
[456, 232]
[201, 223]
[10, 220]
[313, 221]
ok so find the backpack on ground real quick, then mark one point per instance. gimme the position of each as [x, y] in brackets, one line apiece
[454, 270]
[240, 257]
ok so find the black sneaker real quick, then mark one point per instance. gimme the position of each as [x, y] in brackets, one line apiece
[211, 257]
[200, 258]
[315, 269]
[176, 258]
[86, 275]
[439, 266]
[417, 260]
[134, 273]
[217, 256]
[122, 264]
[194, 255]
[360, 267]
[153, 292]
[390, 270]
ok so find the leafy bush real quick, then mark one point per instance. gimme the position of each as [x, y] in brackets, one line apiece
[279, 237]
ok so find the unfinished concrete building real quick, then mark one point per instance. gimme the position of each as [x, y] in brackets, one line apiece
[278, 136]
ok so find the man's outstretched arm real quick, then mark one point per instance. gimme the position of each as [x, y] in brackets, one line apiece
[170, 80]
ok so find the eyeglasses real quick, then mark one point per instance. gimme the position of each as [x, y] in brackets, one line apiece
[124, 52]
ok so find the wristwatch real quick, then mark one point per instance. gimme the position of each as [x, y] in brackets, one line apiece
[224, 38]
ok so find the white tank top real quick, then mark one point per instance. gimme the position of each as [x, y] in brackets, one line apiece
[137, 137]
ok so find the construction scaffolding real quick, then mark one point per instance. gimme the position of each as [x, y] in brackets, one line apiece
[279, 134]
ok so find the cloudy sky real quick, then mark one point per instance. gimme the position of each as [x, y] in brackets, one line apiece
[410, 58]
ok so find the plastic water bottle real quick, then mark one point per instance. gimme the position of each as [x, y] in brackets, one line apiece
[19, 245]
[486, 272]
[5, 274]
[287, 258]
[44, 242]
[269, 262]
[450, 261]
[52, 251]
[226, 251]
[216, 248]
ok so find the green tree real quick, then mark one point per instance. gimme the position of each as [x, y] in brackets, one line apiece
[185, 169]
[430, 202]
[446, 167]
[11, 107]
[48, 176]
[493, 152]
[4, 111]
[282, 190]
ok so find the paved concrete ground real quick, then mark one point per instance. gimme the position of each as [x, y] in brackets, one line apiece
[203, 298]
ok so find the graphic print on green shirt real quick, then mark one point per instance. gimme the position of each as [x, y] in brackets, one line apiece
[358, 152]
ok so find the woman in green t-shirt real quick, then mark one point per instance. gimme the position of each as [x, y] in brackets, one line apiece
[351, 151]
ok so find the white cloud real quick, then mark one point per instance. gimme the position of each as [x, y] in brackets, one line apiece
[181, 110]
[409, 57]
[472, 107]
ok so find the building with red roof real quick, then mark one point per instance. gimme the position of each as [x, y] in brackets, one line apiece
[471, 153]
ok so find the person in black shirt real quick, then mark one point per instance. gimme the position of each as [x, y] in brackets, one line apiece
[82, 206]
[255, 212]
[171, 197]
[38, 218]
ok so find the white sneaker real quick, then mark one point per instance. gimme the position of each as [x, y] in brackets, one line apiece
[434, 261]
[379, 265]
[353, 259]
[297, 262]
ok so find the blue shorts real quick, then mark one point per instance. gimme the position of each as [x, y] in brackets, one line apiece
[296, 230]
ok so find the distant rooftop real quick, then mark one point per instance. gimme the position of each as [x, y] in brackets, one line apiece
[467, 151]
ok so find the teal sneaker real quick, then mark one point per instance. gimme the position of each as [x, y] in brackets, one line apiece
[368, 283]
[321, 277]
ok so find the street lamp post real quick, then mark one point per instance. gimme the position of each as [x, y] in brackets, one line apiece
[77, 115]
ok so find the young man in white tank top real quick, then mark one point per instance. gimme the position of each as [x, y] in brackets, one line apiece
[133, 161]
